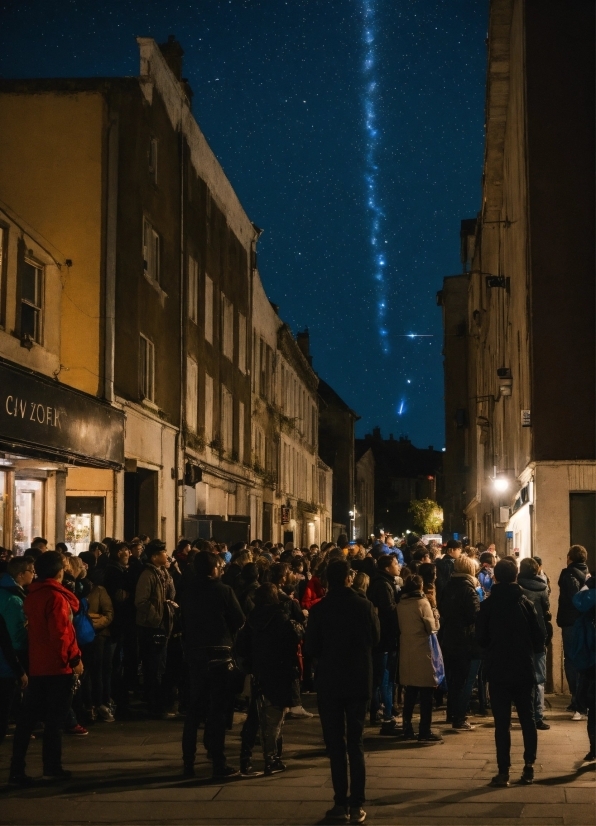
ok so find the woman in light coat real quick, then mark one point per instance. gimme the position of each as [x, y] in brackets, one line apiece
[416, 671]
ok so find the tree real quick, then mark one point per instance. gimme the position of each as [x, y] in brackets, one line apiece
[427, 514]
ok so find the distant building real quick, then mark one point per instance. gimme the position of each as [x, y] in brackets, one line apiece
[402, 472]
[365, 491]
[520, 342]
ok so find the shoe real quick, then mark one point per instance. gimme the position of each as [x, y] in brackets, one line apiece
[527, 777]
[104, 713]
[542, 726]
[298, 713]
[431, 737]
[590, 756]
[274, 766]
[408, 732]
[390, 728]
[357, 815]
[246, 768]
[21, 779]
[76, 731]
[225, 773]
[577, 716]
[60, 774]
[189, 769]
[339, 814]
[501, 780]
[570, 707]
[465, 726]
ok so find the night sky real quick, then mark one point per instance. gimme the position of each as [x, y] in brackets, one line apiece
[351, 130]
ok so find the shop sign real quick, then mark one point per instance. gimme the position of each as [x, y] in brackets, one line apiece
[38, 413]
[285, 515]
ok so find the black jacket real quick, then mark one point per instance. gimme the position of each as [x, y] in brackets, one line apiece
[120, 587]
[536, 590]
[211, 617]
[571, 580]
[384, 595]
[444, 571]
[231, 576]
[459, 608]
[508, 630]
[272, 642]
[246, 593]
[342, 631]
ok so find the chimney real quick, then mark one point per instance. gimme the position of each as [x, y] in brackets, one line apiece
[173, 53]
[391, 437]
[377, 432]
[303, 341]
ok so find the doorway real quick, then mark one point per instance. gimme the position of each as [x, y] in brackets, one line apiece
[140, 503]
[582, 513]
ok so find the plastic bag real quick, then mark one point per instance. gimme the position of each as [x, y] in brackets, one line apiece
[437, 661]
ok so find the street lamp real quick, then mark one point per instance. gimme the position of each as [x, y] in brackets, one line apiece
[353, 515]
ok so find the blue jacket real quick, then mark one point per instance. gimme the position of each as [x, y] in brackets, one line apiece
[11, 611]
[486, 579]
[385, 549]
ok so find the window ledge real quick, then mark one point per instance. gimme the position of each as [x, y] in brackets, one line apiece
[151, 405]
[162, 295]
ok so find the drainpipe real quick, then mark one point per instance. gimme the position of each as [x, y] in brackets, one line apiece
[110, 253]
[179, 434]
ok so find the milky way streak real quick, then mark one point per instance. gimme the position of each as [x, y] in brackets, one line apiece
[372, 138]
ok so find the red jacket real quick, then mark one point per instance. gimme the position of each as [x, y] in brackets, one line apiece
[53, 645]
[313, 593]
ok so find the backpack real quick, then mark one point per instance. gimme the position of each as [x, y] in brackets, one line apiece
[583, 642]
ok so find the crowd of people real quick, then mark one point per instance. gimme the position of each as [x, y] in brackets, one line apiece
[127, 629]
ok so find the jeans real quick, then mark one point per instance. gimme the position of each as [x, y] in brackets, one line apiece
[571, 674]
[209, 700]
[101, 670]
[248, 735]
[342, 720]
[501, 697]
[271, 720]
[466, 693]
[47, 700]
[426, 707]
[384, 670]
[8, 687]
[538, 694]
[153, 657]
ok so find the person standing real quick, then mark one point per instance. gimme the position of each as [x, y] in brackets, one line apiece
[508, 630]
[54, 657]
[445, 567]
[342, 631]
[571, 580]
[536, 590]
[384, 595]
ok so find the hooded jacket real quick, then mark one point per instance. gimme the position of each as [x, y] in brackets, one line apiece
[53, 647]
[273, 644]
[508, 630]
[572, 579]
[383, 594]
[211, 616]
[536, 590]
[459, 609]
[12, 598]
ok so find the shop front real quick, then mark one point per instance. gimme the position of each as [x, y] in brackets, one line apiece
[60, 451]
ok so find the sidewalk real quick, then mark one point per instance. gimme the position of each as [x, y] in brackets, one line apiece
[130, 773]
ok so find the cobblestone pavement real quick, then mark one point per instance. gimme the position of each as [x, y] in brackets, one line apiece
[130, 773]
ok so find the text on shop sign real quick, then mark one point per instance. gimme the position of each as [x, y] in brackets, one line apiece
[33, 412]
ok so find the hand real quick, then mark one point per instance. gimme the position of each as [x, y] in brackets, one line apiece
[24, 681]
[78, 669]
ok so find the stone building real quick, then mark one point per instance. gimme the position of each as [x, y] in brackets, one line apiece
[523, 447]
[364, 517]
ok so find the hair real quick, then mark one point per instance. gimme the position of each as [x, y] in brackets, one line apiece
[250, 572]
[48, 565]
[204, 563]
[385, 561]
[453, 545]
[62, 547]
[38, 540]
[486, 556]
[428, 573]
[77, 566]
[342, 541]
[413, 583]
[156, 546]
[116, 548]
[18, 565]
[506, 571]
[182, 543]
[266, 594]
[528, 567]
[203, 545]
[279, 571]
[465, 565]
[361, 582]
[420, 553]
[577, 553]
[94, 546]
[538, 560]
[337, 571]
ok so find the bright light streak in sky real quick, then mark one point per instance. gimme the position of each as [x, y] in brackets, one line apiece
[372, 138]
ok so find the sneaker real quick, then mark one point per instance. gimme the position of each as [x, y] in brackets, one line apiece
[570, 707]
[55, 776]
[225, 773]
[189, 769]
[104, 713]
[501, 780]
[20, 779]
[577, 716]
[357, 815]
[590, 756]
[431, 737]
[408, 732]
[76, 731]
[274, 766]
[542, 726]
[298, 712]
[338, 814]
[527, 777]
[390, 728]
[465, 726]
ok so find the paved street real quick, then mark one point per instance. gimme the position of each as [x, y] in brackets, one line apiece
[130, 773]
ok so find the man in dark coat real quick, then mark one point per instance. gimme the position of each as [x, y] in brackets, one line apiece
[342, 631]
[211, 617]
[507, 628]
[445, 567]
[384, 595]
[572, 579]
[535, 588]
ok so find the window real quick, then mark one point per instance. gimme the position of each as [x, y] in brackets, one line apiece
[192, 379]
[153, 160]
[242, 342]
[240, 432]
[146, 369]
[193, 289]
[227, 327]
[227, 419]
[31, 300]
[208, 309]
[262, 369]
[151, 252]
[255, 367]
[259, 447]
[208, 408]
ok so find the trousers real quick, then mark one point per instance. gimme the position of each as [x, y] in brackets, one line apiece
[501, 697]
[342, 720]
[426, 707]
[209, 700]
